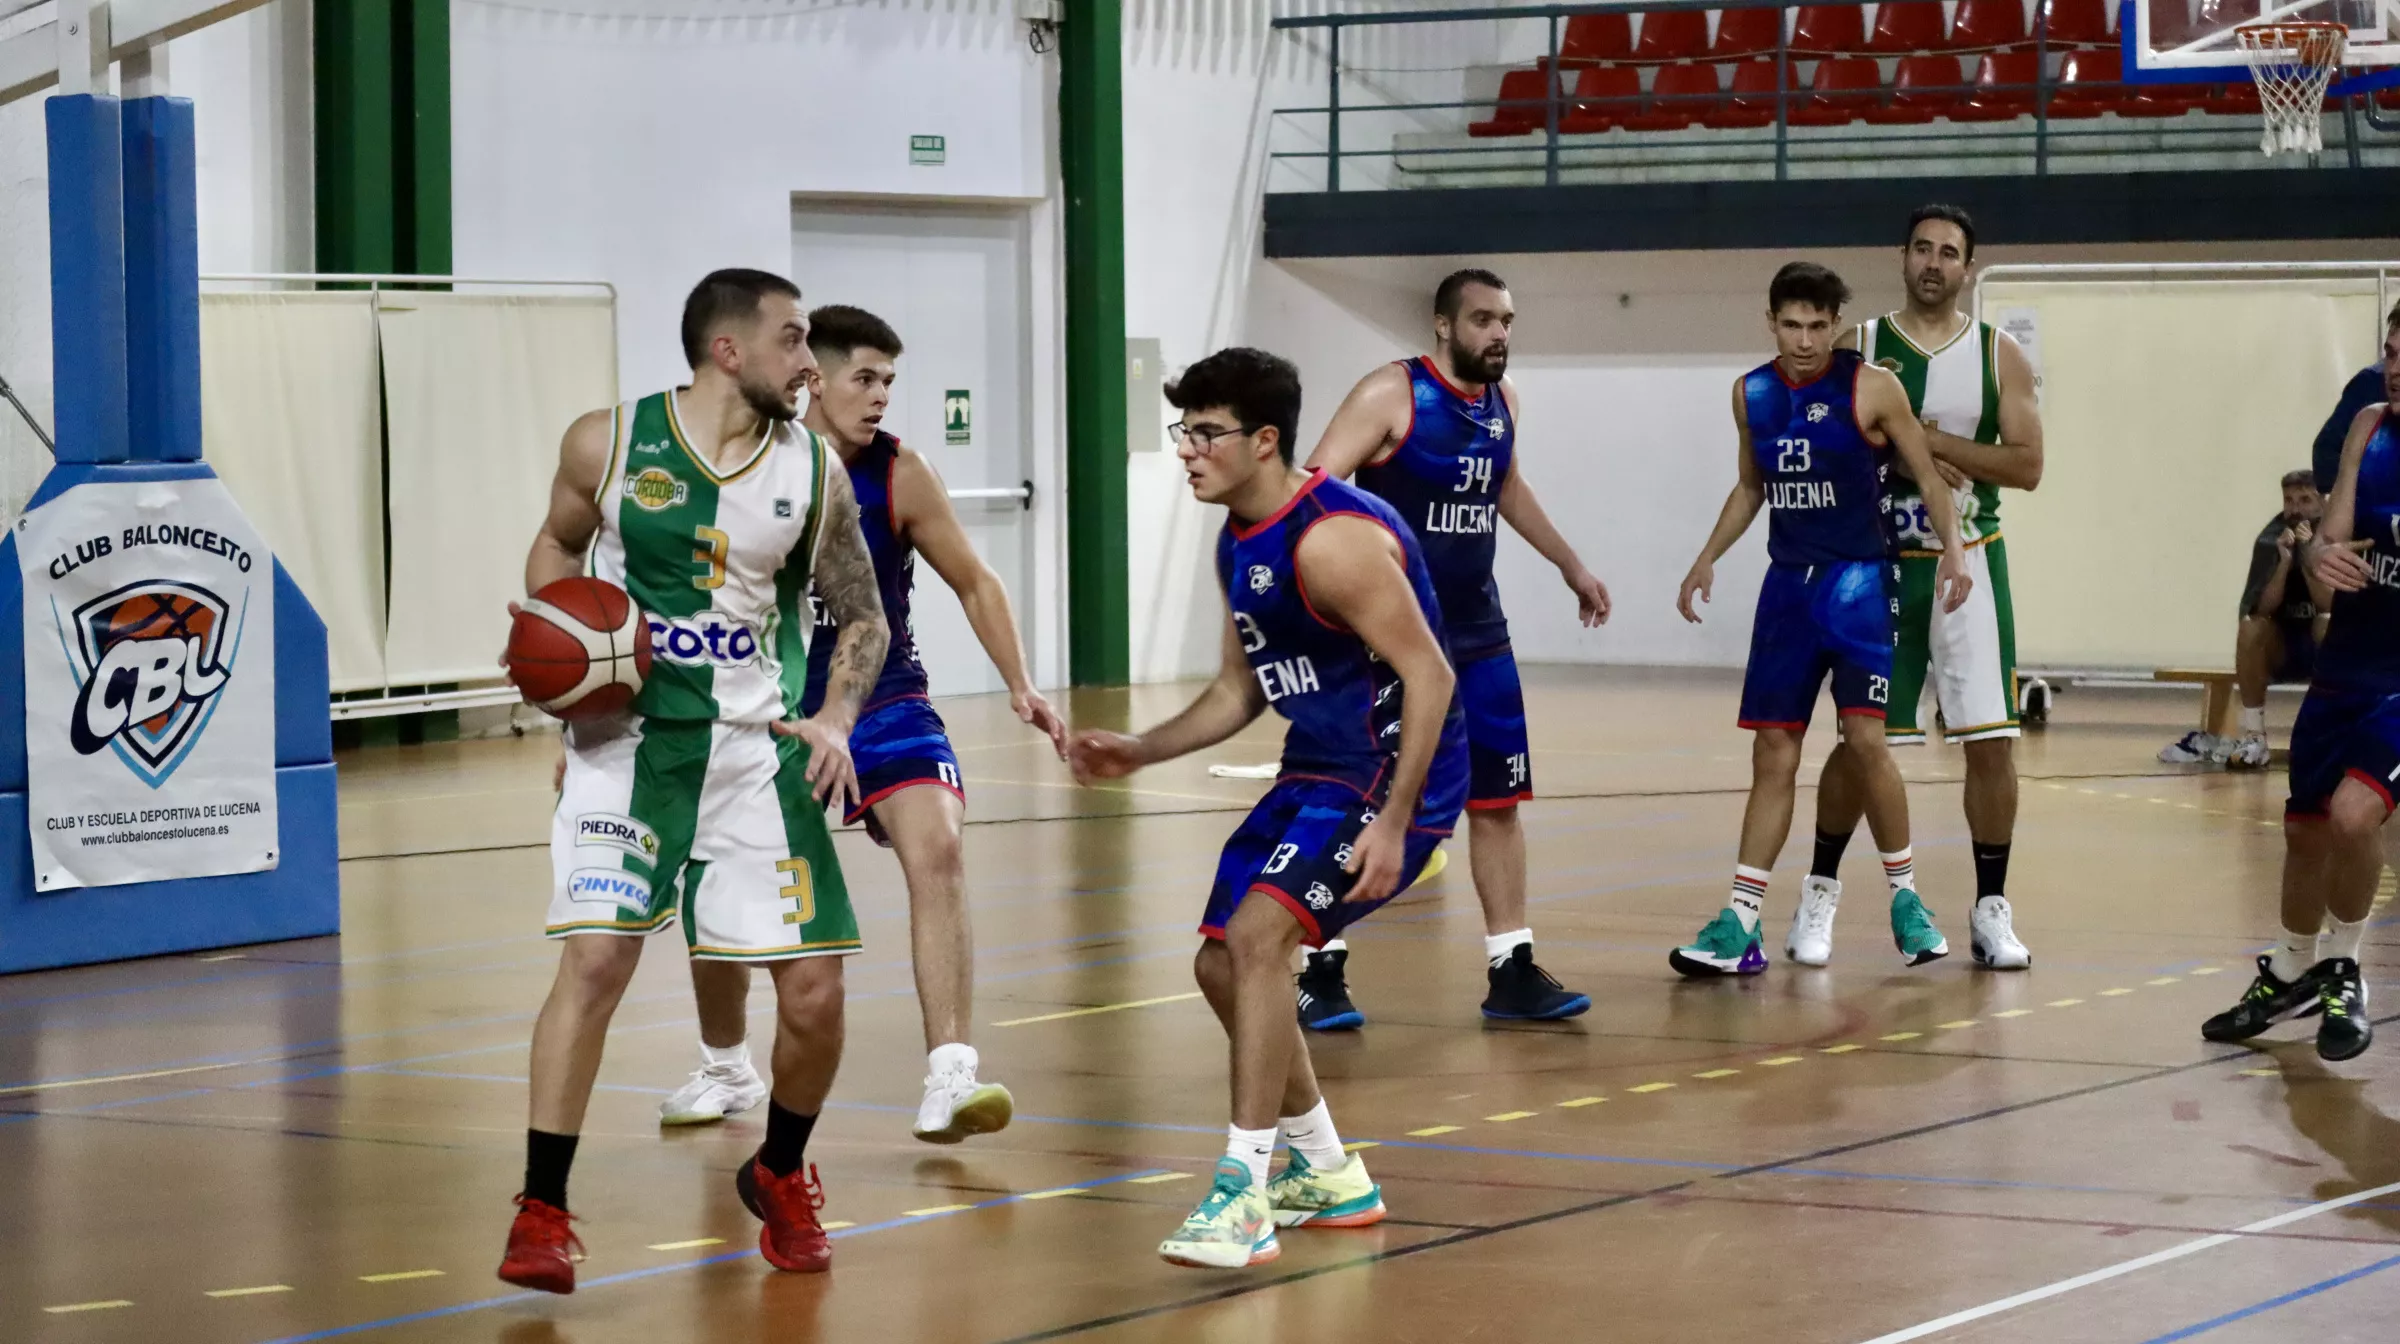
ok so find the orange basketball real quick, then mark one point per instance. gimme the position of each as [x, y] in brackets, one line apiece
[579, 649]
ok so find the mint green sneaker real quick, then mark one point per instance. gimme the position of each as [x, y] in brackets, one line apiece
[1724, 947]
[1343, 1196]
[1913, 930]
[1232, 1229]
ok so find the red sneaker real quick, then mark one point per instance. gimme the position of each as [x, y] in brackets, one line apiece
[542, 1249]
[792, 1238]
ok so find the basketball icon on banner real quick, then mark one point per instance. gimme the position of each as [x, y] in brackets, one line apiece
[149, 660]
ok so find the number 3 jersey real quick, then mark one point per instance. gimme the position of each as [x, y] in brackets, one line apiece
[1824, 478]
[718, 562]
[1342, 701]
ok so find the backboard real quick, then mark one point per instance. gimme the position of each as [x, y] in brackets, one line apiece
[2193, 40]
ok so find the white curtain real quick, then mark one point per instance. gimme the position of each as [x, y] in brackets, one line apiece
[289, 420]
[479, 392]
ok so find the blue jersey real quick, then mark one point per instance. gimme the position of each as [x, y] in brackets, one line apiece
[2362, 642]
[1824, 478]
[895, 575]
[1445, 479]
[1342, 702]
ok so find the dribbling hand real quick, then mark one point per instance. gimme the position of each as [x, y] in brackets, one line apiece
[1375, 857]
[1094, 754]
[1702, 578]
[832, 775]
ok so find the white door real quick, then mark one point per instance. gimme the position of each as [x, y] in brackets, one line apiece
[952, 281]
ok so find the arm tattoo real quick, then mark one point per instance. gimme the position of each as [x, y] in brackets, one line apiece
[845, 579]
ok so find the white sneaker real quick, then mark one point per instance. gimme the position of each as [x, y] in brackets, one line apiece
[2250, 753]
[714, 1092]
[956, 1107]
[1992, 937]
[2192, 748]
[1811, 940]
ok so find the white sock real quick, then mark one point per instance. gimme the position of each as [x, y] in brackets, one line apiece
[2254, 721]
[1749, 893]
[1335, 945]
[1251, 1148]
[1313, 1137]
[734, 1055]
[1900, 869]
[2344, 938]
[953, 1057]
[1498, 946]
[2290, 961]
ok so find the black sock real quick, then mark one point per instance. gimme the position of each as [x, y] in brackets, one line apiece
[1829, 855]
[547, 1157]
[787, 1139]
[1991, 870]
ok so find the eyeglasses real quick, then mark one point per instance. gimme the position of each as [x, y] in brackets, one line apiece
[1206, 436]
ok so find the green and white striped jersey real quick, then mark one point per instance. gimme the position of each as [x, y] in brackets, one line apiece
[719, 563]
[1958, 389]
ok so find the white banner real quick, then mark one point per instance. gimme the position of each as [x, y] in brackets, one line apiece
[149, 685]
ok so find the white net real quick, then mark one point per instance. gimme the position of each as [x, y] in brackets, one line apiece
[2292, 64]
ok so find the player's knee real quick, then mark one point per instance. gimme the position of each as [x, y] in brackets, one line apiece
[599, 965]
[2253, 635]
[808, 997]
[1212, 968]
[1776, 750]
[1991, 755]
[1260, 931]
[2357, 812]
[2306, 831]
[938, 851]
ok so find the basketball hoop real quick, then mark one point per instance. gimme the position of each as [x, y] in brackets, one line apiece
[2292, 64]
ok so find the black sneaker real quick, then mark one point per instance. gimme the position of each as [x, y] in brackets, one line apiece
[1325, 994]
[1524, 991]
[2345, 1033]
[2267, 1002]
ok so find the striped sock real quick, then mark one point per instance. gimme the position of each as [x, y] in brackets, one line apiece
[1900, 869]
[1749, 893]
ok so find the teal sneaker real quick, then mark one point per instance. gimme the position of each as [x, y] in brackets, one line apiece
[1913, 930]
[1232, 1229]
[1724, 947]
[1343, 1196]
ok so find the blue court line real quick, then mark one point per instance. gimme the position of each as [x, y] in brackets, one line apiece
[2323, 1285]
[627, 1276]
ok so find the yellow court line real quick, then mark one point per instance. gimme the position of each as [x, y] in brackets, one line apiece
[1580, 1101]
[1717, 1073]
[1779, 1061]
[2062, 1003]
[2114, 993]
[1161, 1178]
[1103, 1008]
[127, 1077]
[938, 1208]
[1651, 1087]
[411, 1274]
[1360, 1144]
[2204, 970]
[2163, 980]
[1053, 1194]
[693, 1244]
[2258, 1073]
[1842, 1049]
[1431, 1131]
[1902, 1036]
[1954, 1026]
[836, 1227]
[2015, 1012]
[1505, 1116]
[253, 1292]
[64, 1308]
[224, 956]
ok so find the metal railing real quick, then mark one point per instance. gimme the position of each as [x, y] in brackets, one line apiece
[1563, 120]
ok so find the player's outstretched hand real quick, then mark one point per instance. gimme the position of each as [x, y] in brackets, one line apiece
[1032, 708]
[1950, 579]
[1096, 754]
[832, 775]
[1591, 596]
[1376, 856]
[2342, 568]
[1702, 578]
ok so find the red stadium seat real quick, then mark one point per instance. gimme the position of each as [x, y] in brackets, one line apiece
[1595, 39]
[1753, 102]
[1681, 95]
[2233, 98]
[1604, 97]
[2078, 23]
[1830, 30]
[1745, 32]
[2088, 85]
[1903, 26]
[1988, 25]
[1520, 110]
[1923, 88]
[1672, 35]
[2163, 100]
[2003, 87]
[1844, 86]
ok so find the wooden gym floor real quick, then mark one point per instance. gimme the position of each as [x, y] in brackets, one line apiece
[318, 1140]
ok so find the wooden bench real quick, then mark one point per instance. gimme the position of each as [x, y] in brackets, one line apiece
[2217, 698]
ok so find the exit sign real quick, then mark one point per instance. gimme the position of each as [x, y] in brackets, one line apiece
[928, 151]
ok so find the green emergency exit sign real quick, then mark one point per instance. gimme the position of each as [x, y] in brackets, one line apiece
[928, 151]
[958, 417]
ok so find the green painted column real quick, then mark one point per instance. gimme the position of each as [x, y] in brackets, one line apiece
[422, 140]
[383, 136]
[1091, 122]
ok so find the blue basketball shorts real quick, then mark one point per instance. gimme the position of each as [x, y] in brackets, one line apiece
[897, 745]
[1292, 847]
[1500, 763]
[2344, 735]
[1814, 621]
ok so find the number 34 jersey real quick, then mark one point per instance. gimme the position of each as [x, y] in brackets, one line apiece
[1824, 477]
[718, 562]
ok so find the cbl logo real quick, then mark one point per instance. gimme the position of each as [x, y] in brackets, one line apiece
[152, 659]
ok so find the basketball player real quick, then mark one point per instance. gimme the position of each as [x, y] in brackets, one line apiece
[1973, 388]
[1814, 426]
[1333, 623]
[1436, 436]
[2345, 751]
[912, 796]
[703, 806]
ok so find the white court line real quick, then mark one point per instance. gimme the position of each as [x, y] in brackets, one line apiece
[2129, 1266]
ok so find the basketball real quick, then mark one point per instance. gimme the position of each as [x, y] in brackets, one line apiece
[579, 649]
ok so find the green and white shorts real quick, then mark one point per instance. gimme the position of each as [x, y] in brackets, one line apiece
[1972, 652]
[709, 824]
